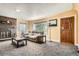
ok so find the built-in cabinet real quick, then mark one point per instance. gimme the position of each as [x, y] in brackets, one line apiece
[7, 27]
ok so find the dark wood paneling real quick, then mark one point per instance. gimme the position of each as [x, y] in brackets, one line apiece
[7, 25]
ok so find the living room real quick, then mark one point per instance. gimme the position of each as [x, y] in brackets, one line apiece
[39, 27]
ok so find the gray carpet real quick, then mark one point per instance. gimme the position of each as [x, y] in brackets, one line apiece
[34, 49]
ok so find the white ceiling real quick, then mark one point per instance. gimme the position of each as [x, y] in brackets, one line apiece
[32, 10]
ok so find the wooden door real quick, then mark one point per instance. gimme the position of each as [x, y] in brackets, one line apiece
[67, 30]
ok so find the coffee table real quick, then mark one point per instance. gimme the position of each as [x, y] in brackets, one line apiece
[19, 41]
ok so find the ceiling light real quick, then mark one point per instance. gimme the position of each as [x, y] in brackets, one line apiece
[18, 10]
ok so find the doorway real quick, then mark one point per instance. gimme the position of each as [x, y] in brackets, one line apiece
[67, 30]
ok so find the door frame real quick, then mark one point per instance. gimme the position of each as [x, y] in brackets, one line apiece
[74, 28]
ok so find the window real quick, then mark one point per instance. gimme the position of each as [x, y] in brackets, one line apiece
[40, 27]
[23, 28]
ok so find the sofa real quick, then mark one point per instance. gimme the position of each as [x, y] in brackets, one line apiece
[37, 37]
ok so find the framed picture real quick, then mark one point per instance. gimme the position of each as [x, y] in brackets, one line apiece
[53, 22]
